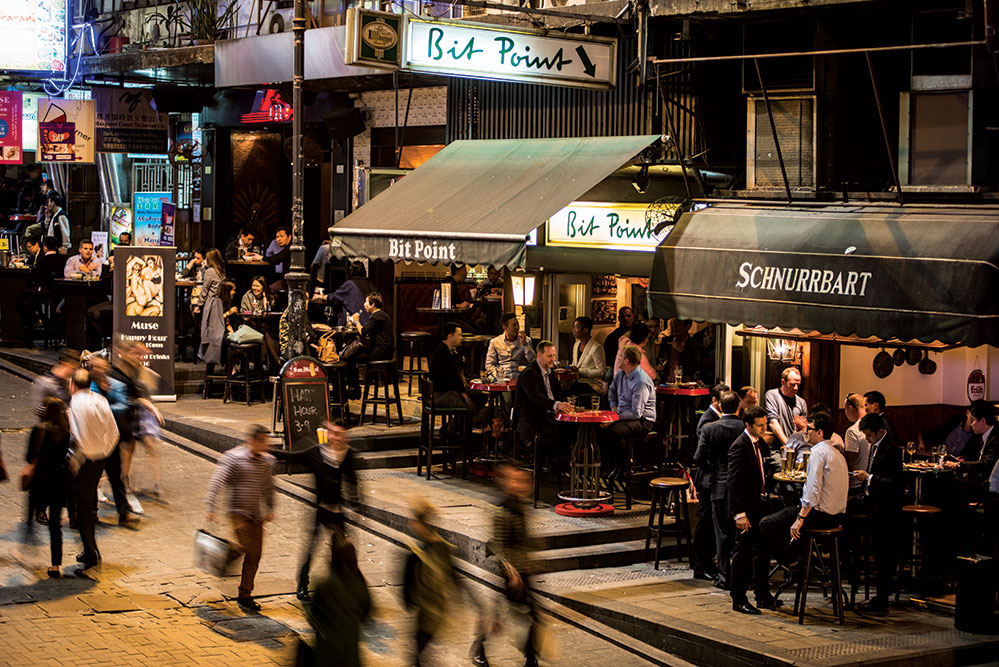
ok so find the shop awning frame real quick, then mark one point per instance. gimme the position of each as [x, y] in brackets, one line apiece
[886, 271]
[477, 201]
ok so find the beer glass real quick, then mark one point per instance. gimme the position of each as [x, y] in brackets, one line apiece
[595, 402]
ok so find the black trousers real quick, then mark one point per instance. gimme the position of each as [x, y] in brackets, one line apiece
[750, 562]
[324, 519]
[777, 529]
[55, 504]
[724, 535]
[112, 467]
[705, 547]
[87, 479]
[612, 439]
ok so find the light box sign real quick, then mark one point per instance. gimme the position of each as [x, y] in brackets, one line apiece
[65, 130]
[11, 127]
[605, 226]
[492, 52]
[33, 35]
[29, 116]
[127, 122]
[148, 215]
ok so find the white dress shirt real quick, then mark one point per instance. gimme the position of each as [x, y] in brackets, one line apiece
[828, 481]
[91, 426]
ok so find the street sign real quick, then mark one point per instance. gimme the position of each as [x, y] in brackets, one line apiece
[483, 51]
[373, 38]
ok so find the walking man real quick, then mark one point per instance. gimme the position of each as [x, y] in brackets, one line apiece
[247, 472]
[94, 435]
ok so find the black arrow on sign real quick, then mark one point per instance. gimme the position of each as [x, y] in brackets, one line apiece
[588, 66]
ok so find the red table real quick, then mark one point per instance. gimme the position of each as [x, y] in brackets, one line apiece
[585, 497]
[496, 437]
[565, 376]
[675, 411]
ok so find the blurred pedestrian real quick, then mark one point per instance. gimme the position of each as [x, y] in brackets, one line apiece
[332, 464]
[247, 472]
[94, 436]
[429, 580]
[116, 393]
[48, 448]
[340, 605]
[514, 547]
[53, 384]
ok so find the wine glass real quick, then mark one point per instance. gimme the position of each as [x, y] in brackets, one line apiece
[910, 447]
[942, 452]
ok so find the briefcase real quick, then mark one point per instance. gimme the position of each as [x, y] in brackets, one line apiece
[214, 554]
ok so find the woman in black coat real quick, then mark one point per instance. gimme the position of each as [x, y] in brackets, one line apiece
[48, 449]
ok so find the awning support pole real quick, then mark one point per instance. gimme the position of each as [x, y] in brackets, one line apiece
[405, 122]
[884, 128]
[773, 129]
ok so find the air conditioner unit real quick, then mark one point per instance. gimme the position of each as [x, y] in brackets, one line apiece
[279, 20]
[795, 119]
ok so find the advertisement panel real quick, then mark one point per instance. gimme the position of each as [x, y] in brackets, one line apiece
[11, 130]
[29, 120]
[65, 130]
[121, 222]
[606, 226]
[127, 121]
[33, 35]
[167, 217]
[144, 307]
[147, 213]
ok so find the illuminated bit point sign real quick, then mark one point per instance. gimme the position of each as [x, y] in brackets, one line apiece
[492, 52]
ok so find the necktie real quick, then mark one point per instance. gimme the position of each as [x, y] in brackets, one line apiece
[870, 459]
[759, 459]
[548, 387]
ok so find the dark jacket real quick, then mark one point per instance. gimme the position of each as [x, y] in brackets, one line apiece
[707, 417]
[330, 479]
[46, 269]
[711, 455]
[532, 402]
[48, 447]
[745, 479]
[886, 490]
[445, 371]
[611, 344]
[980, 469]
[376, 336]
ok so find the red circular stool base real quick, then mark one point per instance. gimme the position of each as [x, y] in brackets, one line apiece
[568, 509]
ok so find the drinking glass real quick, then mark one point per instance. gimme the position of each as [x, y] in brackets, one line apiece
[910, 447]
[678, 374]
[572, 404]
[595, 402]
[942, 452]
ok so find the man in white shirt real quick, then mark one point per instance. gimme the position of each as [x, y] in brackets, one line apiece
[510, 350]
[856, 449]
[823, 500]
[94, 436]
[84, 263]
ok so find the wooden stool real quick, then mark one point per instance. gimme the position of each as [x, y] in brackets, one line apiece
[378, 374]
[859, 536]
[640, 445]
[211, 379]
[812, 537]
[414, 345]
[917, 513]
[429, 441]
[666, 490]
[250, 356]
[337, 382]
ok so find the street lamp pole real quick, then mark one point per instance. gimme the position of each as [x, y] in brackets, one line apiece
[296, 278]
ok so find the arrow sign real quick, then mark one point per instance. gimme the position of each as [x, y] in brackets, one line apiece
[588, 66]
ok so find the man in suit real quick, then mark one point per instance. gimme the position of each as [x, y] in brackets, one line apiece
[979, 456]
[704, 532]
[714, 411]
[882, 502]
[874, 404]
[711, 457]
[539, 398]
[747, 505]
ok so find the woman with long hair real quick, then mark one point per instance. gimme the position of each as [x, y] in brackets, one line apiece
[213, 328]
[48, 448]
[257, 299]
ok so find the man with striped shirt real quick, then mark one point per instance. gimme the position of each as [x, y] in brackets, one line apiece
[248, 472]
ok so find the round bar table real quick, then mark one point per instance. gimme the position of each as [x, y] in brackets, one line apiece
[922, 471]
[585, 497]
[678, 418]
[495, 438]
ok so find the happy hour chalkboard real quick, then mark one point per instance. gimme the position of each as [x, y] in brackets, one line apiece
[306, 401]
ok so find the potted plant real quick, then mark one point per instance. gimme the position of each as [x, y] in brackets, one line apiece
[174, 20]
[211, 19]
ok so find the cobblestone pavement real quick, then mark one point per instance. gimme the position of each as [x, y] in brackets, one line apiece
[149, 605]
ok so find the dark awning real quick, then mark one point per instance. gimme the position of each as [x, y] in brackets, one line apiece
[926, 273]
[475, 202]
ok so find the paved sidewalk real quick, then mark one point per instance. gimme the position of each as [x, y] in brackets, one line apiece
[150, 606]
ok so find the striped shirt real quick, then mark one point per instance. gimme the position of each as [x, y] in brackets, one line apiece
[250, 479]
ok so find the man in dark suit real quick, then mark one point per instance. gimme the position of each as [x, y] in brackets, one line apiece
[882, 502]
[711, 457]
[979, 456]
[714, 411]
[874, 404]
[704, 532]
[539, 397]
[747, 505]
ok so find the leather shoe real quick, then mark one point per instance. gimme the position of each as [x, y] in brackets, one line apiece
[249, 604]
[303, 594]
[771, 603]
[721, 585]
[745, 608]
[480, 660]
[704, 576]
[876, 605]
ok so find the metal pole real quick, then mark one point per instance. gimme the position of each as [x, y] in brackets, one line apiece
[773, 129]
[823, 52]
[884, 128]
[296, 278]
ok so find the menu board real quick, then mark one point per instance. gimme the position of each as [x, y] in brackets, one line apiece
[306, 402]
[33, 35]
[148, 216]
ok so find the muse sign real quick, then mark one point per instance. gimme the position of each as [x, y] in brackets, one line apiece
[492, 52]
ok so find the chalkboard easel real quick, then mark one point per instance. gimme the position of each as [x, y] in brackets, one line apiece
[305, 394]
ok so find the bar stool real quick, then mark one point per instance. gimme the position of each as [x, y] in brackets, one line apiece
[379, 374]
[918, 514]
[339, 403]
[859, 538]
[414, 345]
[429, 413]
[641, 445]
[666, 491]
[813, 538]
[211, 378]
[249, 357]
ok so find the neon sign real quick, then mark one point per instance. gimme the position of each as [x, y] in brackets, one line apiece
[268, 107]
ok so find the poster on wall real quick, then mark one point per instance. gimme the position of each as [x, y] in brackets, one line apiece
[128, 122]
[167, 217]
[29, 120]
[147, 213]
[144, 298]
[11, 127]
[33, 35]
[65, 130]
[121, 222]
[100, 241]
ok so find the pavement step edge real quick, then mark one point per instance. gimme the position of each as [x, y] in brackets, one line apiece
[481, 575]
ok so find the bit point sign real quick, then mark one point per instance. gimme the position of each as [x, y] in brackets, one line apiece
[493, 52]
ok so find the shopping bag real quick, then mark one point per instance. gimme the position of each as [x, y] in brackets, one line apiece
[214, 554]
[246, 334]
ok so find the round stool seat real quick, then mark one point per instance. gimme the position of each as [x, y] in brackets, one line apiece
[414, 335]
[921, 509]
[822, 532]
[384, 363]
[669, 483]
